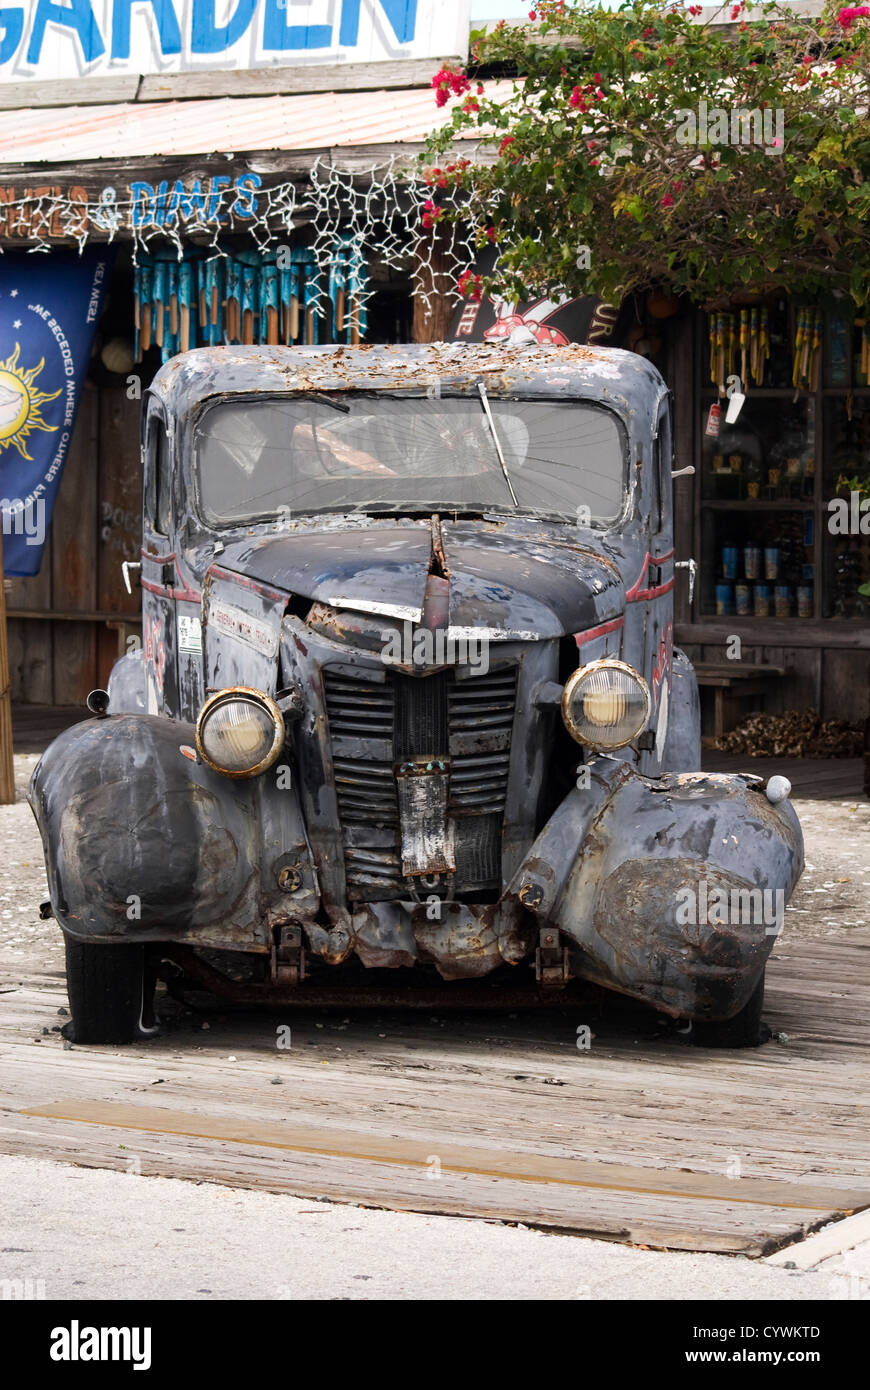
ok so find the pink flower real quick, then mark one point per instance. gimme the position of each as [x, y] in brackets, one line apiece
[508, 140]
[576, 99]
[667, 201]
[670, 62]
[533, 14]
[846, 16]
[469, 285]
[448, 81]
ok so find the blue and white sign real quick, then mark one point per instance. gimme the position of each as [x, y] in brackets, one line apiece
[61, 39]
[49, 307]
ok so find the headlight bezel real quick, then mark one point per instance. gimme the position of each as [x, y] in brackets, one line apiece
[242, 694]
[606, 663]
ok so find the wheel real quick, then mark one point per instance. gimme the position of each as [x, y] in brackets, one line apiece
[743, 1030]
[111, 993]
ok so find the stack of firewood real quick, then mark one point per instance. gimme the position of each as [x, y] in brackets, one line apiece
[794, 734]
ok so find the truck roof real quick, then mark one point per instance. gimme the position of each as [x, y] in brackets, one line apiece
[629, 384]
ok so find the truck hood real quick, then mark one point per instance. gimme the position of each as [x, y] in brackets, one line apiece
[522, 586]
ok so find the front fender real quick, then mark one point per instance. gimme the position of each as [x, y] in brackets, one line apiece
[143, 844]
[668, 889]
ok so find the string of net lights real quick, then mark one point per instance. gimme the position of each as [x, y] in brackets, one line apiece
[349, 218]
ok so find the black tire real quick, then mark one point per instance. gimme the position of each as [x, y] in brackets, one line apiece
[743, 1030]
[111, 993]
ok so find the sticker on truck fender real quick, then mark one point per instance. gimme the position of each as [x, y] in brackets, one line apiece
[189, 633]
[235, 622]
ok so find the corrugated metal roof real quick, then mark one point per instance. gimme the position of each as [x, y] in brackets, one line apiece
[132, 130]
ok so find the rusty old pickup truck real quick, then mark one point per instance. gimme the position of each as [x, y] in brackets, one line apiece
[407, 700]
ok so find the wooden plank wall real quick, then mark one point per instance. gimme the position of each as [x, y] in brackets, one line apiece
[120, 517]
[833, 680]
[96, 525]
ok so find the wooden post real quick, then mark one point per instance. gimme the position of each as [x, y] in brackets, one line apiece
[434, 276]
[7, 767]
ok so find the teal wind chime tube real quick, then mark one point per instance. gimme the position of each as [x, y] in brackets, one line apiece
[233, 315]
[269, 303]
[247, 296]
[185, 306]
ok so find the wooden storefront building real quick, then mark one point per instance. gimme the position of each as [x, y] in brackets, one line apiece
[756, 515]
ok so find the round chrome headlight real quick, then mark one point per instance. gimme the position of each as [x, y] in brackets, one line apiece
[240, 732]
[606, 704]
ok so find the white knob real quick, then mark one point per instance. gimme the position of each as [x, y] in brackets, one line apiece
[777, 789]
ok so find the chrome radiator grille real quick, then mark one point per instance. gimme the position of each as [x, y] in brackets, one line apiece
[375, 725]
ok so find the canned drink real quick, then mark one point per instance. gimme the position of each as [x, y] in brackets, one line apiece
[752, 561]
[724, 600]
[782, 600]
[771, 562]
[762, 600]
[744, 599]
[805, 601]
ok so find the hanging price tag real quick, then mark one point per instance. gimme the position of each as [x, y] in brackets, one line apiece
[713, 420]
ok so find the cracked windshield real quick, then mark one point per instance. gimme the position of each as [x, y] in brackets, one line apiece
[345, 453]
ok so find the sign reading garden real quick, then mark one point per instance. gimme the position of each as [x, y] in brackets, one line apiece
[45, 40]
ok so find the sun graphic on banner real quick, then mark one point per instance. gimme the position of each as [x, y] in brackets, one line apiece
[20, 403]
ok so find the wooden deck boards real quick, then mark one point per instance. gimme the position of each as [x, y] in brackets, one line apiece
[642, 1138]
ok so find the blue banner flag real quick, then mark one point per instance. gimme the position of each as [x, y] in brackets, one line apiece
[49, 307]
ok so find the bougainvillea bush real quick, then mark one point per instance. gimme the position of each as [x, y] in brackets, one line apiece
[618, 135]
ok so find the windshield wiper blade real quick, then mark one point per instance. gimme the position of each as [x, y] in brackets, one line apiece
[322, 399]
[495, 439]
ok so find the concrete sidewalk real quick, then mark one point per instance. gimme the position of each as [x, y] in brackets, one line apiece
[81, 1233]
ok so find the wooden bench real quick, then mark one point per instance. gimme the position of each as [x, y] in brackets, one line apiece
[733, 681]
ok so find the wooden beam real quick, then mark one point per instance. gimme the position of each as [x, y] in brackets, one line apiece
[7, 766]
[72, 615]
[84, 91]
[198, 86]
[281, 81]
[767, 632]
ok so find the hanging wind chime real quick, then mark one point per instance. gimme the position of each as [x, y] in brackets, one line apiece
[739, 344]
[807, 348]
[255, 297]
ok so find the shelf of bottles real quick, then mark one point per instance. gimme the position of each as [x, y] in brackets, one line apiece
[846, 478]
[770, 547]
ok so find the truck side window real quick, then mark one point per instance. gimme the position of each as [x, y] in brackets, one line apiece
[160, 447]
[662, 464]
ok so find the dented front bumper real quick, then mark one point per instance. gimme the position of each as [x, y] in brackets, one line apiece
[671, 889]
[628, 877]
